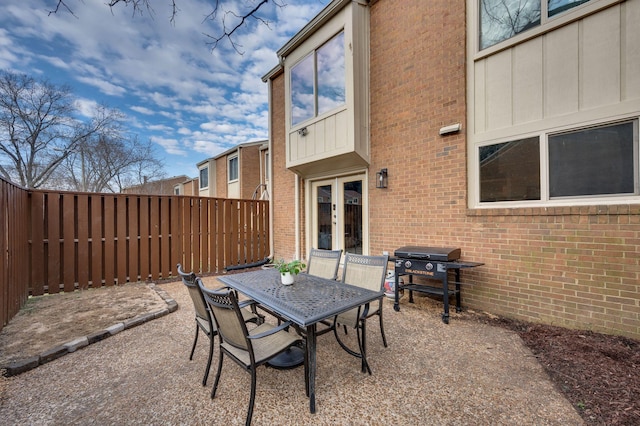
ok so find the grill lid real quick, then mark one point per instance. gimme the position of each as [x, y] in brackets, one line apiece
[443, 254]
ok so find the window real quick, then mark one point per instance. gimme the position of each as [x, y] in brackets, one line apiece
[266, 166]
[510, 171]
[318, 81]
[204, 178]
[593, 162]
[503, 19]
[233, 168]
[176, 190]
[596, 161]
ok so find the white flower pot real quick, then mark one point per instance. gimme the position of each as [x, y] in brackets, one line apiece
[287, 278]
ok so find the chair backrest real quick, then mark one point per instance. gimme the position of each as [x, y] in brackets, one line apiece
[324, 263]
[199, 304]
[365, 271]
[226, 313]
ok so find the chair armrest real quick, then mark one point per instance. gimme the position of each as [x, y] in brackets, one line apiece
[248, 302]
[272, 331]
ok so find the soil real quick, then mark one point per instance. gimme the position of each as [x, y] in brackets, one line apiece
[599, 374]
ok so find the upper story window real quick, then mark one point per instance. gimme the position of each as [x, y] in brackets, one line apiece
[318, 81]
[204, 177]
[233, 168]
[266, 166]
[503, 19]
[176, 190]
[589, 162]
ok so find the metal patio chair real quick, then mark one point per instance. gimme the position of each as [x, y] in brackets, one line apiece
[367, 272]
[324, 263]
[204, 321]
[248, 348]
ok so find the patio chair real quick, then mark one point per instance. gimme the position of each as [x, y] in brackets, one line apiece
[248, 348]
[204, 321]
[324, 263]
[367, 272]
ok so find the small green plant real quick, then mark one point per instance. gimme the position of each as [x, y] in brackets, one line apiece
[295, 266]
[581, 406]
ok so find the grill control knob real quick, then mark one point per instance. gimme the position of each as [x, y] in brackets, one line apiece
[407, 264]
[429, 266]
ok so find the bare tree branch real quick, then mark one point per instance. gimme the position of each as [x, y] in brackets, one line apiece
[230, 21]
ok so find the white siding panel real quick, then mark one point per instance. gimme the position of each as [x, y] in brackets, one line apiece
[600, 83]
[527, 82]
[479, 110]
[498, 91]
[341, 132]
[631, 50]
[561, 69]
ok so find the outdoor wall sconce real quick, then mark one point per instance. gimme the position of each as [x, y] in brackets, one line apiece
[303, 132]
[381, 178]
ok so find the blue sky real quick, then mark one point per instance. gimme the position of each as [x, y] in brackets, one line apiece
[191, 102]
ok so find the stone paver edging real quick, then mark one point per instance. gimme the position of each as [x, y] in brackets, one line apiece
[21, 365]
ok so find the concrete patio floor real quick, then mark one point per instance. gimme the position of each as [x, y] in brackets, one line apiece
[464, 373]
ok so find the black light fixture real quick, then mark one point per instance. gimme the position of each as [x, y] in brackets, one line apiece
[381, 178]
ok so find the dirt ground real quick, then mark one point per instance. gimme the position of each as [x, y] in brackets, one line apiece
[52, 320]
[598, 374]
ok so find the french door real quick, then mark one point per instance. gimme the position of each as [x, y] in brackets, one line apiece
[338, 219]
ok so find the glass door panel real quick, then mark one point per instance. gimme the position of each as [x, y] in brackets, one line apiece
[352, 216]
[324, 213]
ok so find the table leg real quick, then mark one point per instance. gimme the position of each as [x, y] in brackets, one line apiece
[311, 357]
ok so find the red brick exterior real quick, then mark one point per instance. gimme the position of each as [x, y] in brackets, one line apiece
[576, 266]
[249, 172]
[283, 180]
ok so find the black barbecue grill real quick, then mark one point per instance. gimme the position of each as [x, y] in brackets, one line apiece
[433, 263]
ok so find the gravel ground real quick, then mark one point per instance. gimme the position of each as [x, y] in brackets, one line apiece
[431, 374]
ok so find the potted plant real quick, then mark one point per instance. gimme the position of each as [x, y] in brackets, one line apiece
[289, 269]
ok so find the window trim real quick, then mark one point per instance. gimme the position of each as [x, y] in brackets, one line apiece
[237, 167]
[200, 170]
[545, 199]
[547, 24]
[313, 53]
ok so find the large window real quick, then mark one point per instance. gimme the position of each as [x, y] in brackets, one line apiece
[502, 19]
[318, 81]
[233, 169]
[596, 161]
[593, 162]
[204, 177]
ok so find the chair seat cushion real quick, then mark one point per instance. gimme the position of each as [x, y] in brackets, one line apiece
[266, 347]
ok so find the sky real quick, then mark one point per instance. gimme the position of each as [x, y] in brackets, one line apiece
[192, 102]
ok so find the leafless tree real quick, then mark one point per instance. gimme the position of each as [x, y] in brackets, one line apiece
[39, 128]
[228, 16]
[109, 164]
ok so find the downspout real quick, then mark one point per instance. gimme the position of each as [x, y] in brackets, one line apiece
[297, 215]
[270, 184]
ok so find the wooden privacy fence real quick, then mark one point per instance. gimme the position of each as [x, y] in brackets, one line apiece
[14, 243]
[74, 241]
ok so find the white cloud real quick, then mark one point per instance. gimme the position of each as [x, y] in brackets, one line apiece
[189, 100]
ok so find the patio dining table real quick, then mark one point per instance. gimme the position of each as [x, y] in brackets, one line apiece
[305, 303]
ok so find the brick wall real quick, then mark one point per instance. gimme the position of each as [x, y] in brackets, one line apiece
[221, 177]
[249, 170]
[575, 266]
[283, 180]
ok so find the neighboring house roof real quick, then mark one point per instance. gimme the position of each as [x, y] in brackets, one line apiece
[157, 187]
